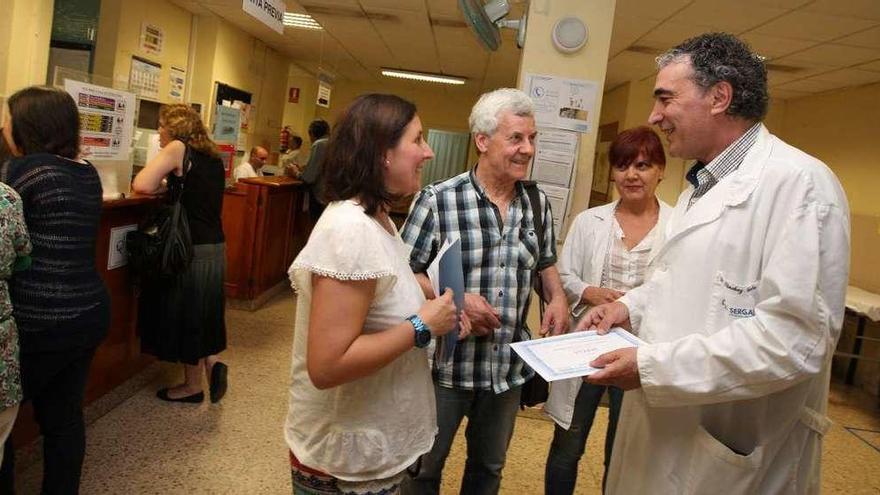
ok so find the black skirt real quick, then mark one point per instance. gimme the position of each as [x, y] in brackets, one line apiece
[183, 320]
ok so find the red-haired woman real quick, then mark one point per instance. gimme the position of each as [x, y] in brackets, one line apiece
[605, 254]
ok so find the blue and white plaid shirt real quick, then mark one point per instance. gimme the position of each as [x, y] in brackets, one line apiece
[498, 261]
[704, 176]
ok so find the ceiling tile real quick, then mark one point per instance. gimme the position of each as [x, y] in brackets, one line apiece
[833, 55]
[863, 9]
[869, 38]
[446, 8]
[774, 46]
[809, 85]
[670, 34]
[873, 66]
[405, 5]
[849, 77]
[726, 16]
[628, 30]
[351, 4]
[787, 94]
[649, 9]
[813, 27]
[776, 4]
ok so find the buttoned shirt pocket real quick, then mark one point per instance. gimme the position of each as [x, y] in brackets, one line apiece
[528, 251]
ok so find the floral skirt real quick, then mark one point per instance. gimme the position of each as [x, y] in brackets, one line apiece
[308, 481]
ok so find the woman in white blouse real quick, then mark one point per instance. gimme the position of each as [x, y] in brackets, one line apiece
[361, 407]
[605, 254]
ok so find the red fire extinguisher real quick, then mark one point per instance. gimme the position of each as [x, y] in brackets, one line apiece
[284, 139]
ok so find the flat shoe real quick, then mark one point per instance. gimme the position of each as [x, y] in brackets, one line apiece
[191, 399]
[218, 381]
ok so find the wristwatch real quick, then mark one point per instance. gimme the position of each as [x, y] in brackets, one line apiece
[422, 332]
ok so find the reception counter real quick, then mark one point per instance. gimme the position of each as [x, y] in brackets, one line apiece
[118, 358]
[265, 227]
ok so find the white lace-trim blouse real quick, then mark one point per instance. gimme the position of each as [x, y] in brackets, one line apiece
[377, 426]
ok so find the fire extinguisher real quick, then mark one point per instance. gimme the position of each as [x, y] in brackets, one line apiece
[284, 139]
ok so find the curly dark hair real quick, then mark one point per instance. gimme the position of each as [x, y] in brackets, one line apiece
[717, 57]
[367, 129]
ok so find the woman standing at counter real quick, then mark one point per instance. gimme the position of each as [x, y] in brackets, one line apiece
[183, 320]
[60, 304]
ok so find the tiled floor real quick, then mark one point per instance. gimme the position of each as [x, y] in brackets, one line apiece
[146, 446]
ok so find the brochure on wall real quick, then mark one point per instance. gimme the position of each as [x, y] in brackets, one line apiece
[226, 124]
[152, 39]
[569, 355]
[555, 156]
[558, 197]
[106, 119]
[143, 79]
[177, 81]
[562, 103]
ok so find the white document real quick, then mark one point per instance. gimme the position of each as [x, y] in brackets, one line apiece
[563, 103]
[569, 355]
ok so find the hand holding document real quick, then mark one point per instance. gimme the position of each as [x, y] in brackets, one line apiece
[446, 272]
[570, 355]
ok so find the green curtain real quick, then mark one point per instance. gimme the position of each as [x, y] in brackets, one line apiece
[450, 155]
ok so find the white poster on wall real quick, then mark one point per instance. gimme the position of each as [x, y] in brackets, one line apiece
[106, 119]
[152, 39]
[324, 90]
[562, 103]
[269, 12]
[177, 81]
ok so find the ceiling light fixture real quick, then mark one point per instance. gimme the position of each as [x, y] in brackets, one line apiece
[304, 21]
[423, 76]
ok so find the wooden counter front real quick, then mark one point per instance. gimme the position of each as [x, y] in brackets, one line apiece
[119, 357]
[265, 228]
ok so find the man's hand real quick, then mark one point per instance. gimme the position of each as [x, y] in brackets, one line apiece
[620, 368]
[556, 320]
[594, 296]
[483, 317]
[601, 318]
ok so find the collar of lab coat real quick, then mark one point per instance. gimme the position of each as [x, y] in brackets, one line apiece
[733, 190]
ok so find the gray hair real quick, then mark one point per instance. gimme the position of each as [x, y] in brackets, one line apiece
[484, 115]
[717, 57]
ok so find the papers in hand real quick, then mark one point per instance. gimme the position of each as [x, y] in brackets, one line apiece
[569, 356]
[446, 272]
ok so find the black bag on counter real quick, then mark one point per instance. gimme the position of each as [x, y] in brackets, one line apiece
[161, 248]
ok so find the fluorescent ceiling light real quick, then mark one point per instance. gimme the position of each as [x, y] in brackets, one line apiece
[423, 76]
[301, 21]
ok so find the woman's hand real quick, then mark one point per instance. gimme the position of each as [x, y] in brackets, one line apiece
[440, 314]
[594, 296]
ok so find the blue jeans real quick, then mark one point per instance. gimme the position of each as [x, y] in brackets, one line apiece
[560, 475]
[490, 426]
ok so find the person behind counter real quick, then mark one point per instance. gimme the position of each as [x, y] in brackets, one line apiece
[183, 320]
[361, 401]
[61, 306]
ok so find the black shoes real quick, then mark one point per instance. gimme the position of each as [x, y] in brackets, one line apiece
[218, 381]
[191, 399]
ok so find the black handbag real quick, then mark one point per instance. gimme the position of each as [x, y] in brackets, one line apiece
[161, 248]
[536, 390]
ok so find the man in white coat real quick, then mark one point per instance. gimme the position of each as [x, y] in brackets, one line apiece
[743, 304]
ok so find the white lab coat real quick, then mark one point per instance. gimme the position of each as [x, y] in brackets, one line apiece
[742, 310]
[581, 265]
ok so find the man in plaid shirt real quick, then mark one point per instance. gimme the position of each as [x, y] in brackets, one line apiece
[489, 210]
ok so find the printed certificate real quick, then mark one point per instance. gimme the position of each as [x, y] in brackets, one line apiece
[569, 355]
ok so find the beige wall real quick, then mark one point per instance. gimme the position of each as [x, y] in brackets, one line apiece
[590, 63]
[299, 115]
[119, 33]
[841, 129]
[25, 30]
